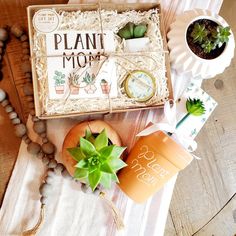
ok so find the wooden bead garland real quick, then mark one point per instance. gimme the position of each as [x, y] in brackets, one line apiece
[46, 151]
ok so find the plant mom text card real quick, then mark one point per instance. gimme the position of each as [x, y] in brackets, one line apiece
[76, 67]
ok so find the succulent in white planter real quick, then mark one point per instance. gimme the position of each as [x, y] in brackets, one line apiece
[134, 37]
[201, 44]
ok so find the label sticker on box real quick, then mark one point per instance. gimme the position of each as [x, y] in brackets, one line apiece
[46, 21]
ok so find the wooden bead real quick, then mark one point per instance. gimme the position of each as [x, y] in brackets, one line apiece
[66, 174]
[33, 148]
[52, 163]
[25, 45]
[28, 89]
[39, 127]
[20, 130]
[8, 108]
[2, 95]
[50, 172]
[49, 180]
[48, 148]
[25, 58]
[26, 51]
[3, 34]
[12, 115]
[15, 121]
[44, 189]
[26, 66]
[28, 141]
[1, 44]
[43, 200]
[23, 38]
[40, 155]
[1, 50]
[59, 168]
[17, 30]
[4, 103]
[31, 105]
[45, 160]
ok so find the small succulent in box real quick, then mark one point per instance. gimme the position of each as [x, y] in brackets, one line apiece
[199, 33]
[131, 31]
[98, 160]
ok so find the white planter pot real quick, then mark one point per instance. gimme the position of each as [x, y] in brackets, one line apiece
[183, 60]
[136, 45]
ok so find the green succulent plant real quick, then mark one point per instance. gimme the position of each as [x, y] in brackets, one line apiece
[130, 31]
[199, 33]
[222, 35]
[88, 79]
[194, 107]
[208, 46]
[209, 40]
[97, 160]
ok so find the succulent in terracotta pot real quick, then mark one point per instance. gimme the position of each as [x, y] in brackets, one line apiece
[74, 81]
[134, 36]
[91, 153]
[59, 82]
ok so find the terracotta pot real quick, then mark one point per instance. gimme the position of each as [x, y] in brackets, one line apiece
[74, 90]
[151, 163]
[105, 88]
[59, 89]
[78, 131]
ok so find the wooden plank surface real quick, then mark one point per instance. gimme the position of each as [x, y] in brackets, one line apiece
[202, 190]
[13, 12]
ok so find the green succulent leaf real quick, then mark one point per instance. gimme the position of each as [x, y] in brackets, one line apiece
[101, 140]
[76, 153]
[223, 34]
[195, 107]
[199, 33]
[117, 164]
[117, 151]
[106, 151]
[105, 167]
[83, 164]
[127, 31]
[94, 179]
[208, 46]
[106, 180]
[140, 30]
[80, 173]
[89, 136]
[87, 148]
[115, 178]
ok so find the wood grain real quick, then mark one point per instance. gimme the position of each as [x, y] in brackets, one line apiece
[13, 12]
[203, 189]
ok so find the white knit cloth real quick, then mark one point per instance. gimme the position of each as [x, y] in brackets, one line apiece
[70, 212]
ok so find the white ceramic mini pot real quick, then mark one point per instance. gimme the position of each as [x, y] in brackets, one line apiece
[184, 60]
[136, 44]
